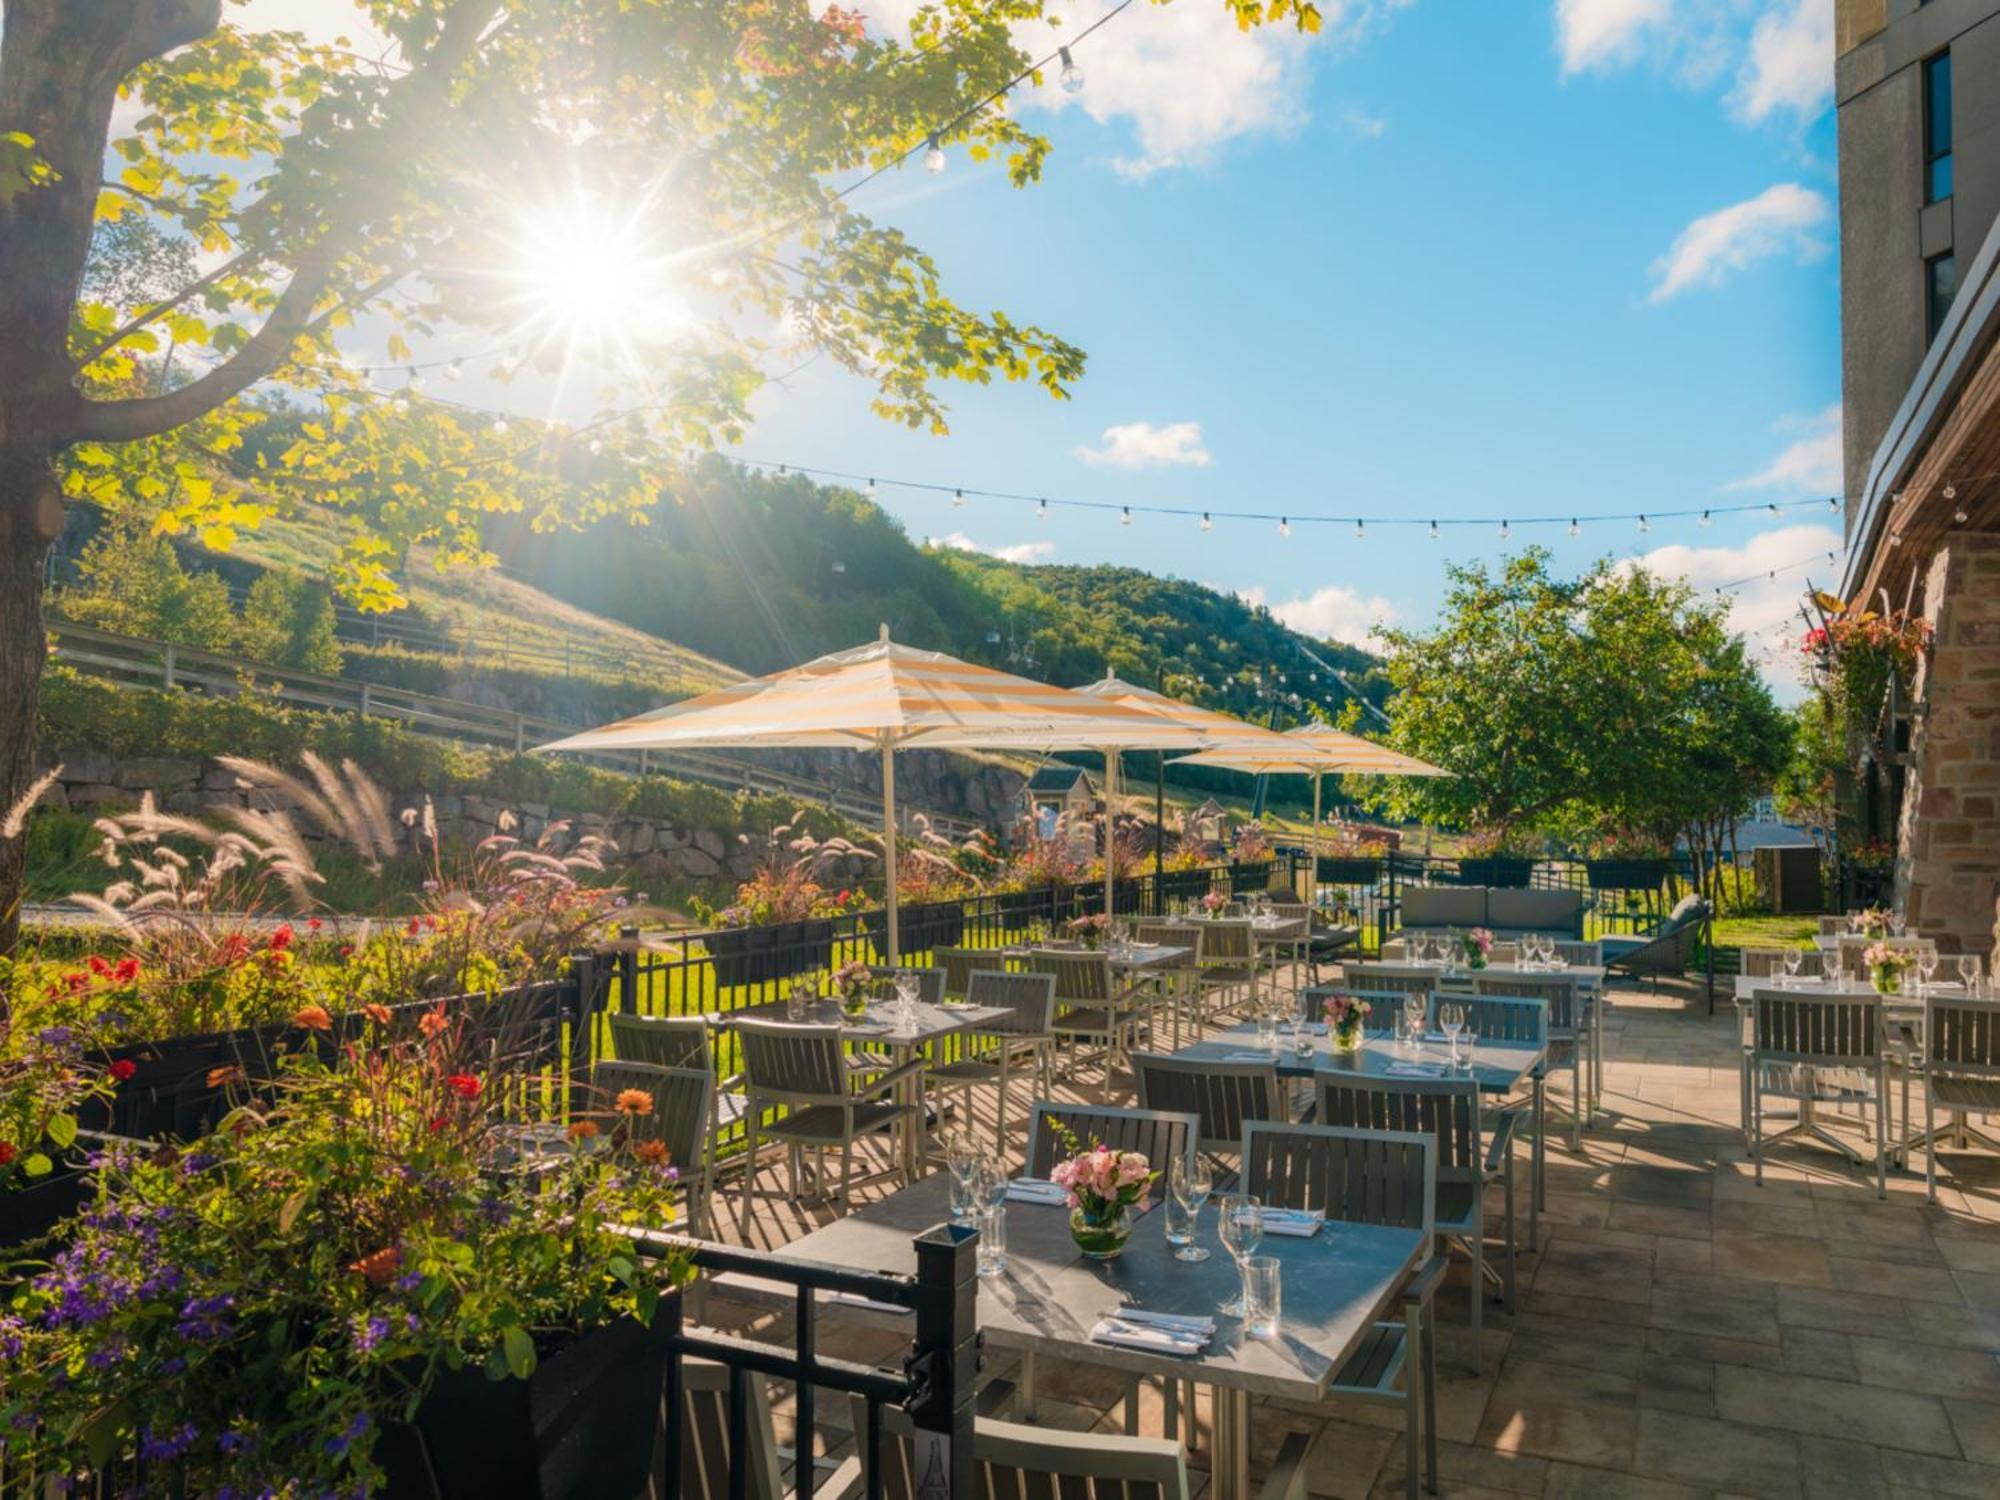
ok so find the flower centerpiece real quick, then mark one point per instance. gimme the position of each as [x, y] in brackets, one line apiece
[850, 984]
[1091, 931]
[1870, 922]
[1346, 1015]
[1213, 903]
[1104, 1186]
[1476, 947]
[272, 1309]
[1886, 966]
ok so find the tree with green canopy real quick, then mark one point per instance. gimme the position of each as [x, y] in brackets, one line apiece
[646, 193]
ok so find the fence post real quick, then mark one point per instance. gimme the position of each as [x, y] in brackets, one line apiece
[944, 1361]
[367, 698]
[520, 733]
[167, 665]
[628, 968]
[667, 1324]
[583, 1035]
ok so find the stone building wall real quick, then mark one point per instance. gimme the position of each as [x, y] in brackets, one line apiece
[1948, 870]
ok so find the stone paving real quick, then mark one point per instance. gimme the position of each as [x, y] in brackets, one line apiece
[1684, 1332]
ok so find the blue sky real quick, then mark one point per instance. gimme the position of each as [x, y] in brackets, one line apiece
[1452, 258]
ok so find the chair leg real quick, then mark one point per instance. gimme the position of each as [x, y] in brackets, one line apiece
[846, 1171]
[1430, 1397]
[743, 1198]
[1881, 1134]
[999, 1106]
[1478, 1244]
[1509, 1180]
[1576, 1097]
[1930, 1145]
[1757, 1129]
[1131, 1406]
[1412, 1420]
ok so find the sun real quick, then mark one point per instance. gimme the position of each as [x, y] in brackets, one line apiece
[596, 278]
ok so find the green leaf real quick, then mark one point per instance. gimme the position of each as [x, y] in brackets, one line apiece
[101, 1434]
[289, 1211]
[519, 1349]
[62, 1130]
[37, 1164]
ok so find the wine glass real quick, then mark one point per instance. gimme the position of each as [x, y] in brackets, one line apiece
[990, 1183]
[1241, 1228]
[1927, 963]
[1829, 963]
[1968, 972]
[1451, 1021]
[1414, 1009]
[963, 1160]
[1191, 1183]
[1897, 922]
[1793, 958]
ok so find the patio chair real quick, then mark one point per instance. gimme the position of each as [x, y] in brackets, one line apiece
[683, 1042]
[1469, 1157]
[1368, 1177]
[1569, 1034]
[1852, 946]
[1832, 925]
[1229, 967]
[1961, 1073]
[1183, 980]
[1816, 1050]
[1023, 1039]
[1668, 950]
[1384, 978]
[1157, 1135]
[1221, 1095]
[800, 1069]
[1763, 963]
[930, 982]
[1095, 1007]
[706, 1446]
[959, 964]
[1576, 951]
[679, 1120]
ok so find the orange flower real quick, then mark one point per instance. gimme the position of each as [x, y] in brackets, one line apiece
[223, 1076]
[634, 1102]
[379, 1266]
[433, 1024]
[377, 1012]
[654, 1153]
[464, 1085]
[312, 1018]
[583, 1130]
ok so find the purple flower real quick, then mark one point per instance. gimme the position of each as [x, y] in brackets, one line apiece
[167, 1445]
[338, 1443]
[202, 1320]
[237, 1442]
[196, 1162]
[56, 1036]
[368, 1332]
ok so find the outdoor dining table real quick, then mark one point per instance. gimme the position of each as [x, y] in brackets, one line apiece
[1048, 1297]
[877, 1028]
[1500, 1068]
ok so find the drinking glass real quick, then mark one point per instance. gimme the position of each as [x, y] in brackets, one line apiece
[991, 1183]
[795, 1003]
[1463, 1058]
[1897, 922]
[1968, 972]
[1180, 1225]
[1414, 1008]
[1793, 958]
[1267, 1031]
[1829, 963]
[1302, 1039]
[1451, 1021]
[1262, 1290]
[1189, 1187]
[963, 1160]
[1927, 963]
[993, 1240]
[1241, 1226]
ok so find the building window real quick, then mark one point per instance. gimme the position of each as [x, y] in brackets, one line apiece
[1937, 128]
[1940, 287]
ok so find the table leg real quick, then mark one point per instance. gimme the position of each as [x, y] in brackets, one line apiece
[1537, 1180]
[1229, 1457]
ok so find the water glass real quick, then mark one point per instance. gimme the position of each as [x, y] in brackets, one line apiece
[992, 1259]
[1302, 1040]
[796, 1001]
[1415, 1009]
[1189, 1186]
[1267, 1031]
[1262, 1290]
[1181, 1223]
[1968, 972]
[1463, 1051]
[1829, 963]
[1451, 1021]
[1240, 1224]
[963, 1160]
[1897, 922]
[1793, 958]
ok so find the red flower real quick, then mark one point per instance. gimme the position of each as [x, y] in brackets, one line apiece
[99, 966]
[76, 981]
[464, 1085]
[347, 950]
[313, 924]
[413, 928]
[123, 1069]
[282, 938]
[7, 1153]
[126, 971]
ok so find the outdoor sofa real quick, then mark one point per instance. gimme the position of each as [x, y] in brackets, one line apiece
[1507, 911]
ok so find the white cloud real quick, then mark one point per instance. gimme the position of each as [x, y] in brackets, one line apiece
[1790, 65]
[1013, 552]
[1811, 464]
[1599, 34]
[1785, 218]
[1141, 445]
[1333, 613]
[1360, 122]
[1765, 609]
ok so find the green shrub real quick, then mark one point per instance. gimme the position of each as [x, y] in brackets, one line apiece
[288, 622]
[133, 582]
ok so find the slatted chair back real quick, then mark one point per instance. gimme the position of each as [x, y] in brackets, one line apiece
[1445, 1110]
[1508, 1018]
[1157, 1135]
[1186, 935]
[1853, 945]
[1764, 963]
[1356, 1176]
[1504, 953]
[1039, 1463]
[663, 1041]
[706, 1460]
[1083, 979]
[681, 1101]
[930, 982]
[1383, 1005]
[1221, 1095]
[1391, 979]
[1824, 1030]
[1962, 1036]
[1560, 993]
[1832, 925]
[1228, 942]
[1029, 1001]
[786, 1062]
[1571, 951]
[960, 963]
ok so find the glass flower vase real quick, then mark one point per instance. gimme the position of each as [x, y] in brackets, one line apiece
[1100, 1233]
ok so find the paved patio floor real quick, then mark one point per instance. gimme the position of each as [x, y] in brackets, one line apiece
[1683, 1332]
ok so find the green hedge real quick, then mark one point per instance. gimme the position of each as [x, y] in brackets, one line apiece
[88, 713]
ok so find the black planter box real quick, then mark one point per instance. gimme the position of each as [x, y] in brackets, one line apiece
[583, 1426]
[31, 1211]
[1627, 874]
[1185, 885]
[1247, 879]
[1348, 870]
[919, 928]
[1019, 908]
[760, 955]
[1497, 870]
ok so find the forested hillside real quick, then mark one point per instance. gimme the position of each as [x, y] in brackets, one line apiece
[763, 572]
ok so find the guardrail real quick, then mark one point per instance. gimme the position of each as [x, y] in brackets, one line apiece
[133, 661]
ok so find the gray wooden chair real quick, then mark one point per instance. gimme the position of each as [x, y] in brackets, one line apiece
[1390, 978]
[1182, 982]
[1961, 1072]
[1368, 1177]
[1023, 1040]
[1230, 975]
[1764, 963]
[960, 963]
[683, 1042]
[1832, 925]
[1576, 951]
[801, 1070]
[680, 1119]
[1158, 1135]
[1570, 1040]
[1814, 1050]
[1223, 1096]
[1470, 1155]
[1093, 1006]
[706, 1456]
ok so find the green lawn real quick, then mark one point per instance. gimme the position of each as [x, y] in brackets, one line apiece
[1766, 932]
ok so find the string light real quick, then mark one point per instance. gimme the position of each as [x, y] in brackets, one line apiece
[1434, 531]
[1644, 524]
[934, 158]
[1042, 510]
[872, 491]
[1206, 524]
[1360, 531]
[1072, 75]
[1705, 520]
[1574, 529]
[499, 426]
[1505, 531]
[1125, 516]
[1773, 507]
[958, 499]
[1284, 526]
[454, 369]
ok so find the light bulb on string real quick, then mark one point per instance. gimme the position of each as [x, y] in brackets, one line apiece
[1360, 530]
[455, 369]
[934, 157]
[1071, 75]
[1041, 510]
[1704, 521]
[1506, 531]
[958, 499]
[414, 380]
[596, 445]
[871, 492]
[1284, 526]
[1206, 524]
[1125, 516]
[1833, 502]
[1644, 524]
[499, 426]
[1951, 492]
[1574, 529]
[1772, 507]
[1434, 531]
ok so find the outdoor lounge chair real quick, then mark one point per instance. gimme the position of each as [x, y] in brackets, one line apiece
[1668, 949]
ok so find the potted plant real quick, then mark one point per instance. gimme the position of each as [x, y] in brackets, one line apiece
[1104, 1186]
[1627, 860]
[850, 985]
[1870, 922]
[46, 1082]
[1886, 967]
[1475, 947]
[1092, 931]
[1346, 1019]
[781, 922]
[1352, 860]
[1496, 857]
[374, 1268]
[1250, 860]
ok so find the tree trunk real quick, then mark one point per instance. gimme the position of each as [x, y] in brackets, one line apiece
[30, 518]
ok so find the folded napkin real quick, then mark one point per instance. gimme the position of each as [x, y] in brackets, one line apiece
[1315, 1028]
[1250, 1056]
[1416, 1070]
[1297, 1222]
[1130, 1335]
[1173, 1322]
[855, 1299]
[1036, 1190]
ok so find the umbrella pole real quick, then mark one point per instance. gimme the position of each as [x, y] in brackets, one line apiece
[889, 846]
[1312, 865]
[1110, 830]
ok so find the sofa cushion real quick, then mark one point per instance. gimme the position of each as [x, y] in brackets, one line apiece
[1445, 906]
[1535, 911]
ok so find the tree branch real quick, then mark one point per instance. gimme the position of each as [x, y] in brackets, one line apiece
[140, 320]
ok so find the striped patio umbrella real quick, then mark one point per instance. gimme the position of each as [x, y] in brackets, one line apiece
[886, 697]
